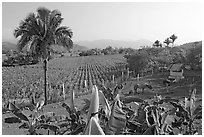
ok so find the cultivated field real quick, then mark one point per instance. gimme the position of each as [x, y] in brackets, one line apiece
[21, 81]
[72, 71]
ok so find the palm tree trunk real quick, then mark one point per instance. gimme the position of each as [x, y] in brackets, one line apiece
[45, 80]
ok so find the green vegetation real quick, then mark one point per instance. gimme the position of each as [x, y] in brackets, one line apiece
[151, 59]
[110, 75]
[39, 31]
[107, 51]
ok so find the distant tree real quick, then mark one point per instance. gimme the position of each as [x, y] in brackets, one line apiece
[178, 54]
[167, 41]
[121, 50]
[38, 31]
[173, 38]
[164, 57]
[108, 50]
[138, 61]
[194, 57]
[157, 43]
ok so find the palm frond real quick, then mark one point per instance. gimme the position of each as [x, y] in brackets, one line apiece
[43, 14]
[65, 42]
[38, 31]
[55, 19]
[18, 32]
[64, 30]
[24, 40]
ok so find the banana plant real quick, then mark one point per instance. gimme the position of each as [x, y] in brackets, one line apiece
[17, 112]
[192, 113]
[117, 121]
[93, 127]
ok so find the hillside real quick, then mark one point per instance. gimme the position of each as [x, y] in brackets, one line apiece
[77, 47]
[103, 43]
[6, 46]
[191, 45]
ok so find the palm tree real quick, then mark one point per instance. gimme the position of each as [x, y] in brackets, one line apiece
[157, 43]
[39, 31]
[173, 38]
[167, 41]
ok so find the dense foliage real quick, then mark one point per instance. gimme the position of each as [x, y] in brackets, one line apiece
[147, 59]
[124, 115]
[107, 51]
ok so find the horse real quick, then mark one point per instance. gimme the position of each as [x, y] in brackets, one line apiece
[142, 87]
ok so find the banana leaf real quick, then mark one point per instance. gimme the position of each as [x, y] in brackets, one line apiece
[79, 129]
[93, 128]
[167, 100]
[86, 106]
[150, 130]
[13, 107]
[60, 118]
[94, 105]
[129, 99]
[39, 105]
[12, 120]
[17, 112]
[192, 100]
[51, 127]
[48, 115]
[104, 103]
[176, 105]
[197, 110]
[68, 109]
[197, 113]
[117, 121]
[20, 115]
[5, 109]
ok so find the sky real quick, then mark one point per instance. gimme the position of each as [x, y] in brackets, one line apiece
[116, 20]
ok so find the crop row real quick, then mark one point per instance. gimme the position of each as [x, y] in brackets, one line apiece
[21, 81]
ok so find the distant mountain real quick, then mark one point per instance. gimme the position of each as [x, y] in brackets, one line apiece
[77, 47]
[115, 43]
[6, 46]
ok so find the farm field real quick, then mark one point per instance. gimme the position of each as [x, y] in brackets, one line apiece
[20, 81]
[72, 71]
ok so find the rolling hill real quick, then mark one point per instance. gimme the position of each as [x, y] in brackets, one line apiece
[103, 43]
[191, 45]
[6, 46]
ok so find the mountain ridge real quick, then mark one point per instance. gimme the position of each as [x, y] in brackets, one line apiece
[103, 43]
[7, 45]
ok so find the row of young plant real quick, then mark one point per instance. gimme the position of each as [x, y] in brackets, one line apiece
[123, 115]
[20, 82]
